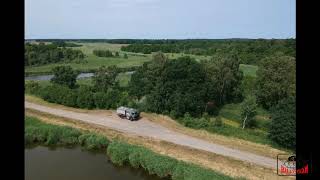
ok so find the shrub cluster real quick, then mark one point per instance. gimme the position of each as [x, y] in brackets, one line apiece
[48, 134]
[32, 87]
[199, 123]
[82, 97]
[216, 125]
[40, 54]
[103, 53]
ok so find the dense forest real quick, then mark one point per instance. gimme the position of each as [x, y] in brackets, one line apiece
[248, 51]
[40, 54]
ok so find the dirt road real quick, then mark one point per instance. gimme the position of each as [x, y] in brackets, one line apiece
[143, 127]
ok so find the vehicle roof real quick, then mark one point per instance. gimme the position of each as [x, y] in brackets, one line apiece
[127, 109]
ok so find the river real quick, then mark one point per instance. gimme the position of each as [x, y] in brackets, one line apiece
[67, 164]
[48, 77]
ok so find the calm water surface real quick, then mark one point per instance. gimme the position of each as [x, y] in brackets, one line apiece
[42, 163]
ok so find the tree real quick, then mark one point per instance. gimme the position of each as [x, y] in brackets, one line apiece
[125, 56]
[144, 80]
[218, 122]
[105, 77]
[102, 53]
[283, 123]
[85, 97]
[179, 86]
[64, 75]
[45, 54]
[223, 79]
[248, 111]
[276, 80]
[117, 54]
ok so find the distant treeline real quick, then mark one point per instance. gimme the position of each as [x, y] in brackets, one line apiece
[150, 41]
[104, 53]
[248, 51]
[65, 44]
[40, 54]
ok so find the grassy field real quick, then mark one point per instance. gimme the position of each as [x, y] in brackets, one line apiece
[93, 62]
[249, 70]
[232, 112]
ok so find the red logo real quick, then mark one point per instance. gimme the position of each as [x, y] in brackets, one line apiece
[287, 165]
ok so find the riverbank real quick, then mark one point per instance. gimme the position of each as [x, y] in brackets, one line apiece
[52, 163]
[120, 153]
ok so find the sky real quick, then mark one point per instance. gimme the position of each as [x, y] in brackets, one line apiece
[159, 19]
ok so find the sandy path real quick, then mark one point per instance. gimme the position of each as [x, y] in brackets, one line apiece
[143, 127]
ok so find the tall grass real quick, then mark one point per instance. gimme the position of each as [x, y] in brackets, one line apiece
[163, 166]
[210, 125]
[37, 132]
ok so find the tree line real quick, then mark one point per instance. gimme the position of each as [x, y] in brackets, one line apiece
[40, 54]
[65, 44]
[248, 51]
[104, 93]
[105, 53]
[185, 85]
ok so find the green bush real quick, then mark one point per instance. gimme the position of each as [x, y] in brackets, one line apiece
[101, 100]
[34, 135]
[102, 53]
[68, 135]
[70, 98]
[32, 87]
[185, 171]
[93, 141]
[85, 97]
[283, 125]
[196, 123]
[119, 152]
[53, 136]
[135, 157]
[218, 121]
[47, 134]
[162, 166]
